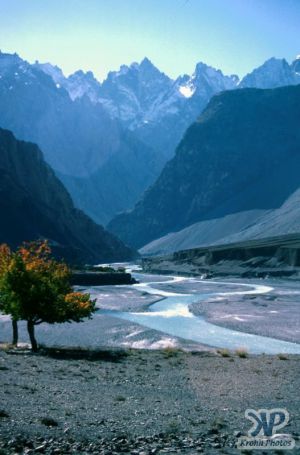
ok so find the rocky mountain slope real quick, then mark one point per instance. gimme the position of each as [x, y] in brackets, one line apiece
[245, 225]
[222, 164]
[233, 228]
[275, 256]
[34, 204]
[284, 220]
[77, 137]
[119, 183]
[296, 66]
[273, 73]
[77, 84]
[203, 233]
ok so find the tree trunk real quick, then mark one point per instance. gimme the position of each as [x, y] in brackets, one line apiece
[30, 328]
[15, 332]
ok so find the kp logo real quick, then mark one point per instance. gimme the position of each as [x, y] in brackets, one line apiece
[264, 431]
[266, 422]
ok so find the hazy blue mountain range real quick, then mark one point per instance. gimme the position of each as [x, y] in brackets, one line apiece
[241, 155]
[272, 74]
[78, 138]
[109, 141]
[159, 109]
[118, 183]
[35, 205]
[146, 101]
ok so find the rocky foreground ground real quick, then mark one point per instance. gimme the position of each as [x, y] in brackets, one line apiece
[139, 402]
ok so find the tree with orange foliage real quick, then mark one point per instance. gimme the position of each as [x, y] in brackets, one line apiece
[36, 288]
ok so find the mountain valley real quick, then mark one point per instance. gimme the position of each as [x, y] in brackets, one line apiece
[35, 205]
[107, 139]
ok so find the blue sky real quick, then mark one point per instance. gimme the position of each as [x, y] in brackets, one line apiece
[233, 35]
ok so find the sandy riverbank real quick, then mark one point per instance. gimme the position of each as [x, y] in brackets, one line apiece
[274, 314]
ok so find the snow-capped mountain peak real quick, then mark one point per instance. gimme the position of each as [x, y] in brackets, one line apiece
[273, 73]
[16, 73]
[132, 92]
[205, 82]
[146, 100]
[81, 84]
[52, 70]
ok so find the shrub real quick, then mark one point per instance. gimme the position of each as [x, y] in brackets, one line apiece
[171, 352]
[49, 422]
[120, 398]
[242, 353]
[3, 414]
[282, 357]
[223, 352]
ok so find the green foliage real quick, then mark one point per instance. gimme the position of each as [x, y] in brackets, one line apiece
[36, 288]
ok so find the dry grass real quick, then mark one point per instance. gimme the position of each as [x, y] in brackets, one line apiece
[282, 357]
[223, 352]
[6, 346]
[171, 352]
[242, 353]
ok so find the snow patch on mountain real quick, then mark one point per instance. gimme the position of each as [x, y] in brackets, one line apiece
[82, 84]
[187, 91]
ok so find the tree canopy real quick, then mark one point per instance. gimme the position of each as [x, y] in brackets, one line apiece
[36, 288]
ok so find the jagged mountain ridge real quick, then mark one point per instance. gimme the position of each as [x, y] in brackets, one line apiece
[34, 204]
[77, 136]
[159, 109]
[81, 124]
[77, 84]
[148, 102]
[139, 93]
[240, 137]
[272, 74]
